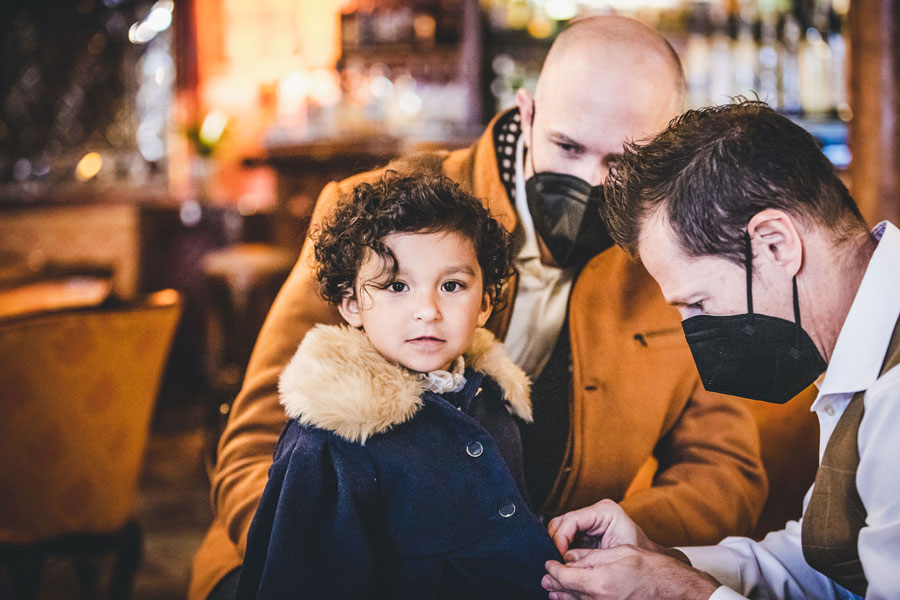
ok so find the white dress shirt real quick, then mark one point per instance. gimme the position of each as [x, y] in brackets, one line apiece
[775, 567]
[542, 297]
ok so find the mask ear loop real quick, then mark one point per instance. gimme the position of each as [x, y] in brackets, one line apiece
[749, 268]
[798, 329]
[530, 148]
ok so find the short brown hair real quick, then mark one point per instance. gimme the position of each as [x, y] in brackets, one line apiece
[406, 204]
[712, 169]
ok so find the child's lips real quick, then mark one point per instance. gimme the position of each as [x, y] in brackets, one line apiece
[426, 340]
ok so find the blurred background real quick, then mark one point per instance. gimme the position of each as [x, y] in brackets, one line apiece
[181, 144]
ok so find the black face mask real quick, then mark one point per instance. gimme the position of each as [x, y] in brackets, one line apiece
[754, 356]
[565, 211]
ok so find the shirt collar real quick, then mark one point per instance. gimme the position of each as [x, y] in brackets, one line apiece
[530, 247]
[441, 381]
[866, 333]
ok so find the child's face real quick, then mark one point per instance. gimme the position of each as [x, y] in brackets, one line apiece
[426, 316]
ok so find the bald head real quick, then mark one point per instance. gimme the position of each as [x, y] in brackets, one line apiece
[617, 47]
[606, 81]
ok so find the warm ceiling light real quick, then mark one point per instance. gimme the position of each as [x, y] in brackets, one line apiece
[88, 166]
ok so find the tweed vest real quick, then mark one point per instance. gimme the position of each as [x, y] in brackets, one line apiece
[835, 513]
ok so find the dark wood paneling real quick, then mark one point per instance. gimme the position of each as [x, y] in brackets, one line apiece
[875, 99]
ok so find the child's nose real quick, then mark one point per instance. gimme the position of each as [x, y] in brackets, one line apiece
[426, 307]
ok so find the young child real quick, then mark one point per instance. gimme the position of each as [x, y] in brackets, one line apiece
[399, 473]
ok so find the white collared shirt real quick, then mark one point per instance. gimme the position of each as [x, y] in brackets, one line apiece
[775, 567]
[542, 298]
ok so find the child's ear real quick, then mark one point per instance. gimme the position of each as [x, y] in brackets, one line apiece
[349, 309]
[485, 311]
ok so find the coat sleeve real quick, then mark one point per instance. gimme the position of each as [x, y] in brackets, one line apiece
[710, 482]
[318, 523]
[246, 445]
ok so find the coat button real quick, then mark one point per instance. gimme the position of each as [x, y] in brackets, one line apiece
[475, 449]
[507, 510]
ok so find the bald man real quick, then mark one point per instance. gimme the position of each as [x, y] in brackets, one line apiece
[619, 411]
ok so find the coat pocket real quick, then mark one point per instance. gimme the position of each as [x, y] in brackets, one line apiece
[660, 339]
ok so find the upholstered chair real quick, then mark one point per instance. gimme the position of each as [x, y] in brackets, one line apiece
[77, 391]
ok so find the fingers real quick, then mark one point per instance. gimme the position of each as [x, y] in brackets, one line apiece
[562, 530]
[561, 596]
[592, 520]
[625, 571]
[561, 578]
[550, 584]
[586, 558]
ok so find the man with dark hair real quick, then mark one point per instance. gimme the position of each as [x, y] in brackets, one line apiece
[751, 235]
[710, 214]
[618, 409]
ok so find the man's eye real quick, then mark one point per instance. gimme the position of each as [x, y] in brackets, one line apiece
[396, 286]
[569, 148]
[452, 286]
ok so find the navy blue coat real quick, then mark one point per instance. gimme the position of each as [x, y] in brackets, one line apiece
[430, 508]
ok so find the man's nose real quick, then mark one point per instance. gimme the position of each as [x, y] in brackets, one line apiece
[426, 307]
[601, 170]
[592, 171]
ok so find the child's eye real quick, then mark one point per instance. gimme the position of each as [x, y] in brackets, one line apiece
[396, 286]
[452, 286]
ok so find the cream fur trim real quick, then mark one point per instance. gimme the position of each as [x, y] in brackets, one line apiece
[339, 382]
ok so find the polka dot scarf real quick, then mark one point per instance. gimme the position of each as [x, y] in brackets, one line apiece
[506, 133]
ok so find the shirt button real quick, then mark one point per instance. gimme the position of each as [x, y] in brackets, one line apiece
[507, 510]
[829, 410]
[475, 449]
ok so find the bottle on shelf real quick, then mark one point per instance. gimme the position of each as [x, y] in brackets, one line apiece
[815, 60]
[769, 54]
[838, 68]
[790, 65]
[744, 50]
[720, 60]
[697, 58]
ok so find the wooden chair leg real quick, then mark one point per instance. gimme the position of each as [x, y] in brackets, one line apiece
[128, 550]
[87, 571]
[25, 569]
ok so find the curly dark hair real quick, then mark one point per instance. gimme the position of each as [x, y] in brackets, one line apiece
[406, 204]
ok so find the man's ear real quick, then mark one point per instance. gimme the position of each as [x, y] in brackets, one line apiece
[486, 307]
[775, 238]
[349, 309]
[526, 105]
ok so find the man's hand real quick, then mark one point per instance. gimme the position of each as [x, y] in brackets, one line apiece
[601, 525]
[625, 572]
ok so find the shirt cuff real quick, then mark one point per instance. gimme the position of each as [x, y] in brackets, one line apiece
[726, 593]
[721, 563]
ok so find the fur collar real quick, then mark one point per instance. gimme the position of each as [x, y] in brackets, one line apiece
[339, 382]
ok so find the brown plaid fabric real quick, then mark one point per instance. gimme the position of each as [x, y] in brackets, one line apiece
[835, 513]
